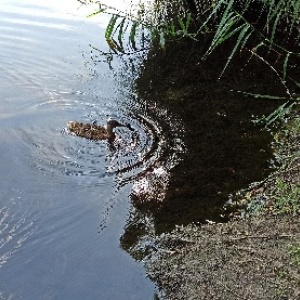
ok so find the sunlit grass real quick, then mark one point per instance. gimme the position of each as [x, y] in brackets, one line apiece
[287, 197]
[294, 251]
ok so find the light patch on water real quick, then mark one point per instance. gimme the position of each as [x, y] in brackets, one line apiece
[6, 297]
[35, 23]
[15, 228]
[72, 8]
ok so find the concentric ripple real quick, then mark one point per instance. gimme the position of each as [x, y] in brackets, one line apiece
[41, 95]
[57, 153]
[154, 143]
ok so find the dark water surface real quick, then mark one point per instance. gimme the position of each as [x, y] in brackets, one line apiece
[64, 201]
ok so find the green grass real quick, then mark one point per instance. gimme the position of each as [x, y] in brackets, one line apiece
[287, 197]
[294, 251]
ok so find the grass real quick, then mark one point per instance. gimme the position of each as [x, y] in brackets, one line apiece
[287, 187]
[287, 197]
[279, 193]
[294, 251]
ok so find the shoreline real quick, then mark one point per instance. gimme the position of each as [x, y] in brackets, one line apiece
[255, 257]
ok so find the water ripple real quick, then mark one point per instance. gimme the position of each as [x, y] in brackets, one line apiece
[57, 153]
[154, 144]
[15, 229]
[50, 93]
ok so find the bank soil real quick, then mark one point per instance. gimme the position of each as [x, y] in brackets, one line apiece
[257, 257]
[246, 259]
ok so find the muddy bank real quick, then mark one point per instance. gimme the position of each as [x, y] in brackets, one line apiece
[256, 257]
[247, 259]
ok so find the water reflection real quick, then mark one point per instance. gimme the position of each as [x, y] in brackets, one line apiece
[57, 188]
[225, 150]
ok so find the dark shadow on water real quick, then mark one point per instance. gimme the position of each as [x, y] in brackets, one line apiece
[225, 150]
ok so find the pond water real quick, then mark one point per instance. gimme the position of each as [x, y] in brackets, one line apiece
[64, 200]
[78, 217]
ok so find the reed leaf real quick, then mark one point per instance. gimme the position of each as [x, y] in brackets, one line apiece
[214, 12]
[183, 27]
[279, 113]
[223, 33]
[262, 96]
[239, 42]
[295, 15]
[112, 45]
[274, 30]
[285, 64]
[132, 34]
[121, 30]
[110, 27]
[97, 12]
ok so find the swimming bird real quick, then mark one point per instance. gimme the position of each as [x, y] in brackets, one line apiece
[95, 132]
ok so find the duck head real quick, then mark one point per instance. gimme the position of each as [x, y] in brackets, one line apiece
[111, 124]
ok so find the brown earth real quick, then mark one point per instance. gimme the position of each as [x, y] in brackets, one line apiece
[246, 259]
[255, 257]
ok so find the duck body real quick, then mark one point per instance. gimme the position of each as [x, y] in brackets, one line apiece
[95, 132]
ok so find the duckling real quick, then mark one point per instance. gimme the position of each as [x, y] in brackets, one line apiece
[95, 132]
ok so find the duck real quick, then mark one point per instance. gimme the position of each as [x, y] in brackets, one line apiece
[95, 132]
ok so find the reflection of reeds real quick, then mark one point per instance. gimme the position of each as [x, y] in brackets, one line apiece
[265, 30]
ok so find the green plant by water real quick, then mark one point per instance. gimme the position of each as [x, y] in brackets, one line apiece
[287, 197]
[265, 30]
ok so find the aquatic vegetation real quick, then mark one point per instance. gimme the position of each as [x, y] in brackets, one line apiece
[263, 30]
[287, 197]
[145, 23]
